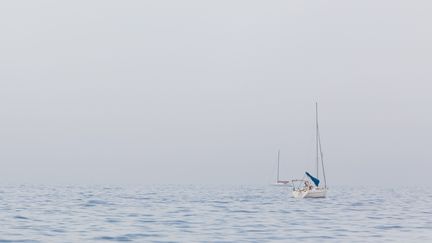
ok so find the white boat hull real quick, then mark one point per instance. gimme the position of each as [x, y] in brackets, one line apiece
[312, 193]
[281, 184]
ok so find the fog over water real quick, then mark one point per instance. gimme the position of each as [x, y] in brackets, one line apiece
[199, 92]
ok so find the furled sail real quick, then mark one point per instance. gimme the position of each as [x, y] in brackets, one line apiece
[315, 180]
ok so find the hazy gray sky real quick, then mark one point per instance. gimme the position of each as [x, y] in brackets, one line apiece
[207, 91]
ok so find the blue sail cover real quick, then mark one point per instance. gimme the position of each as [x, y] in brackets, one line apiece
[315, 180]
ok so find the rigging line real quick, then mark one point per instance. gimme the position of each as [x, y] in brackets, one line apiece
[322, 160]
[278, 166]
[316, 139]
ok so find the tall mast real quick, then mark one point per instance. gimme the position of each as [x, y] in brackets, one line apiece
[317, 139]
[278, 155]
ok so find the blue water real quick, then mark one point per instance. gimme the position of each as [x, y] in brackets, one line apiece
[212, 214]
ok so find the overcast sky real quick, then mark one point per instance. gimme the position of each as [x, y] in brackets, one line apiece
[206, 92]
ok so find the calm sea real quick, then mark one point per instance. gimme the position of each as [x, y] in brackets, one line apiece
[212, 214]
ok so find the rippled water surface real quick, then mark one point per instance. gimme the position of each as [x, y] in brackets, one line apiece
[212, 214]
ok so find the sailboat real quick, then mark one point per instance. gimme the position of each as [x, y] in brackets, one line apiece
[278, 181]
[311, 188]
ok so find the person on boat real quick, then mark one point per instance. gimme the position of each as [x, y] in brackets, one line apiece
[308, 185]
